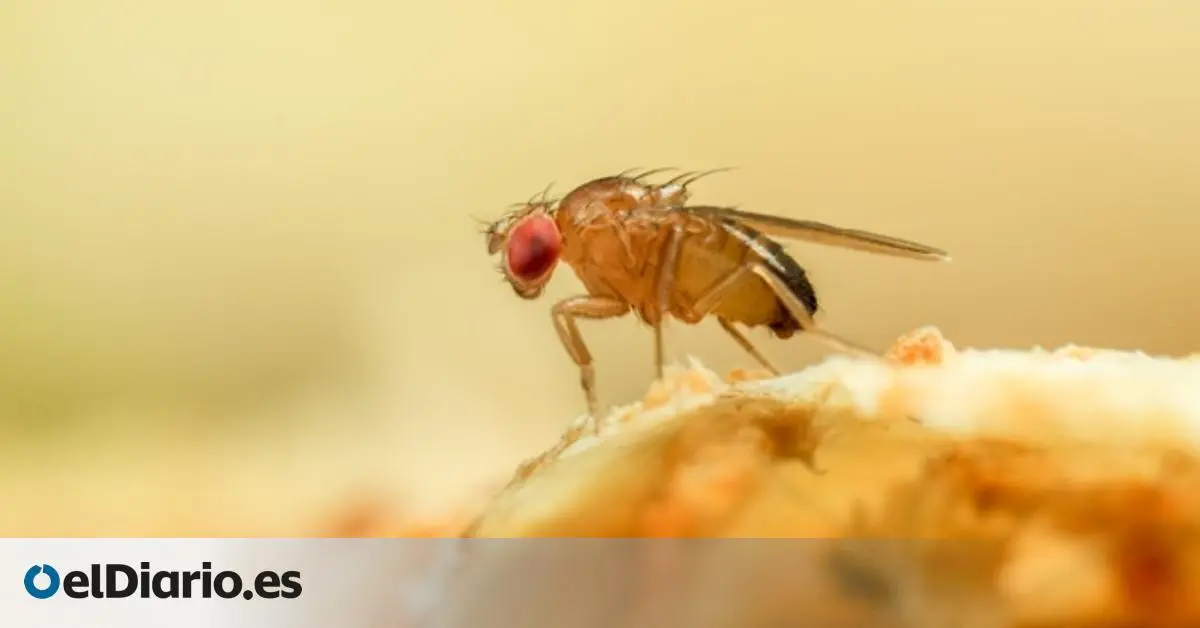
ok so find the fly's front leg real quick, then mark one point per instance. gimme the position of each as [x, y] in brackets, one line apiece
[668, 263]
[564, 314]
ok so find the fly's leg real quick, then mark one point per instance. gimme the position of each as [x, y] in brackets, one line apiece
[806, 322]
[748, 346]
[659, 351]
[668, 263]
[708, 301]
[801, 314]
[564, 314]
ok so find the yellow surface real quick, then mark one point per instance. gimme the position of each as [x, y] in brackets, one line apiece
[240, 283]
[963, 488]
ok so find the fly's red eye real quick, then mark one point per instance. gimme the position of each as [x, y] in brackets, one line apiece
[533, 247]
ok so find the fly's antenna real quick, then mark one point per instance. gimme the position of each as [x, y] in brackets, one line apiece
[540, 195]
[542, 198]
[485, 226]
[536, 200]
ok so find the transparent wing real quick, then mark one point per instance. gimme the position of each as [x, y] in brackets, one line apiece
[821, 233]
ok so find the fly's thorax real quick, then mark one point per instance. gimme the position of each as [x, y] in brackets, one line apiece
[619, 259]
[668, 195]
[601, 196]
[593, 210]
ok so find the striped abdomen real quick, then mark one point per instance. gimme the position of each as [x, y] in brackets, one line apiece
[707, 258]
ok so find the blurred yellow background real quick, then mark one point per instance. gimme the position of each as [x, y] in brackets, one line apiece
[241, 285]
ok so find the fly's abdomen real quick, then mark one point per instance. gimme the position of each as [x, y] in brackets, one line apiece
[706, 261]
[784, 267]
[750, 301]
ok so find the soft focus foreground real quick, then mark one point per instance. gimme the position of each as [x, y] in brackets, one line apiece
[983, 488]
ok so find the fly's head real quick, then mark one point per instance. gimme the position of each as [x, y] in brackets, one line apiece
[529, 244]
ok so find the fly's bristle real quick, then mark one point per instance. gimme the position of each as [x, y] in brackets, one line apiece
[687, 178]
[680, 177]
[642, 175]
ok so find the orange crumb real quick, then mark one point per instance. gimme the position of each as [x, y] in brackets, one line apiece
[659, 395]
[697, 383]
[746, 375]
[924, 346]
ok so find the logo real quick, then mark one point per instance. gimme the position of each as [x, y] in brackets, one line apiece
[31, 581]
[117, 580]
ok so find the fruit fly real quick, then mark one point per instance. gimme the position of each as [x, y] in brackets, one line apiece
[640, 247]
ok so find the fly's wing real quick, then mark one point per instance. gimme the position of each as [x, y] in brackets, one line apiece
[821, 233]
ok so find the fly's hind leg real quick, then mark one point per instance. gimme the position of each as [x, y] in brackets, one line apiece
[711, 298]
[564, 314]
[708, 301]
[806, 322]
[800, 313]
[748, 346]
